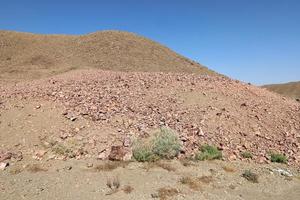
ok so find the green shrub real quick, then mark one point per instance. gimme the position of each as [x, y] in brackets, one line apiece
[250, 176]
[246, 154]
[166, 144]
[163, 145]
[279, 158]
[208, 152]
[143, 153]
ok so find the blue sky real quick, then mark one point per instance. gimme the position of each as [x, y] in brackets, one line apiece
[256, 41]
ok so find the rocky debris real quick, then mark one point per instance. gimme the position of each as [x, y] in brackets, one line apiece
[117, 153]
[233, 116]
[3, 165]
[283, 172]
[5, 156]
[38, 155]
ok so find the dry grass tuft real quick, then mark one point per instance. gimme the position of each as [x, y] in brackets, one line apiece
[160, 164]
[128, 189]
[36, 168]
[186, 162]
[110, 166]
[192, 183]
[229, 169]
[113, 184]
[206, 179]
[165, 193]
[250, 176]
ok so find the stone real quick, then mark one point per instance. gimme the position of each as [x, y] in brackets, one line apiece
[3, 165]
[117, 153]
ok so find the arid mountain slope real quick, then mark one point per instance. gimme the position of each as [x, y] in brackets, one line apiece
[236, 117]
[291, 89]
[30, 56]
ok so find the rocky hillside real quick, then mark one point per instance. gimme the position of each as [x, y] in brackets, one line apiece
[30, 56]
[234, 116]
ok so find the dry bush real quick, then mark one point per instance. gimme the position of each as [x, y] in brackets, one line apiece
[229, 169]
[160, 164]
[250, 176]
[110, 166]
[192, 183]
[206, 179]
[128, 189]
[113, 184]
[186, 162]
[165, 193]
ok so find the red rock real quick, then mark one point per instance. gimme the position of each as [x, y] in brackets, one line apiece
[117, 153]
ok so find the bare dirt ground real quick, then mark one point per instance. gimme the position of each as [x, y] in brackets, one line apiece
[88, 179]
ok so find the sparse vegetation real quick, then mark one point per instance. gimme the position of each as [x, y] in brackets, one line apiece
[246, 154]
[250, 176]
[165, 193]
[279, 158]
[63, 150]
[113, 184]
[208, 152]
[160, 164]
[110, 166]
[128, 189]
[186, 162]
[228, 169]
[206, 179]
[164, 145]
[143, 153]
[36, 168]
[192, 183]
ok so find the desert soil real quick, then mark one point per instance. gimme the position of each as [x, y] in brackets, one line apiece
[87, 179]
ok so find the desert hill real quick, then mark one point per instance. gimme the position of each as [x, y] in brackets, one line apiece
[30, 56]
[234, 116]
[291, 89]
[112, 99]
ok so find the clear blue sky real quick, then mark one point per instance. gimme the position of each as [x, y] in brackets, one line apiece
[255, 41]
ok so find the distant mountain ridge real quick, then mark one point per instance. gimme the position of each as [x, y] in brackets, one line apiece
[291, 89]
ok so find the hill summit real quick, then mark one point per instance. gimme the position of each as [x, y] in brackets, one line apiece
[30, 56]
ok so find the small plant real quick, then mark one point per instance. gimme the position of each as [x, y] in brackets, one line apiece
[166, 144]
[208, 152]
[110, 166]
[143, 153]
[128, 189]
[186, 162]
[228, 169]
[165, 193]
[113, 184]
[246, 154]
[163, 145]
[250, 176]
[206, 179]
[162, 165]
[278, 158]
[191, 183]
[36, 168]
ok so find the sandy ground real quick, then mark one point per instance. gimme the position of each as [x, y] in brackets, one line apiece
[86, 179]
